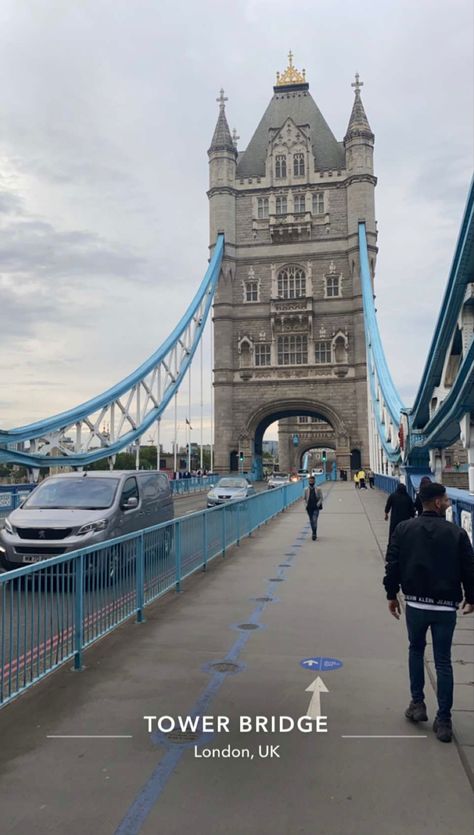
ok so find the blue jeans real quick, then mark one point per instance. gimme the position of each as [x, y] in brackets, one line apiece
[313, 519]
[442, 628]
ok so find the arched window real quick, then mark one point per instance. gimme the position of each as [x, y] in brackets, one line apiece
[298, 165]
[281, 206]
[291, 283]
[299, 203]
[280, 166]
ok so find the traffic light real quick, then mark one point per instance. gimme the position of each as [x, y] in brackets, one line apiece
[241, 456]
[323, 455]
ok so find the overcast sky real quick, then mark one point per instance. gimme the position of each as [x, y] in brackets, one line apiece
[106, 113]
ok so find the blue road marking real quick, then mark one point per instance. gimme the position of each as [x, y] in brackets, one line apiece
[321, 663]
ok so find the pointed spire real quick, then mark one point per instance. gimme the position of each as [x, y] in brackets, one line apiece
[222, 139]
[358, 121]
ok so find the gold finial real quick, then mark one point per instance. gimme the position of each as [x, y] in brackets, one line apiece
[291, 74]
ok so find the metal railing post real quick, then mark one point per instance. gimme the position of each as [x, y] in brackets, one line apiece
[204, 542]
[224, 531]
[237, 542]
[140, 577]
[177, 541]
[78, 611]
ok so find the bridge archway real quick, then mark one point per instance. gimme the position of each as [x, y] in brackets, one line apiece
[259, 421]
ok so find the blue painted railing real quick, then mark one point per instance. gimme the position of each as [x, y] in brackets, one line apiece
[12, 494]
[53, 610]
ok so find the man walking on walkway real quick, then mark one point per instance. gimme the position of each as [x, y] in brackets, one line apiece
[313, 499]
[431, 559]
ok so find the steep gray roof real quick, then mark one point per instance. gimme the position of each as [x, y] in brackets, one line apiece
[358, 120]
[222, 140]
[299, 106]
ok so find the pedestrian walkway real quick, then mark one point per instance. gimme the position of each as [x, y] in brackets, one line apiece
[273, 602]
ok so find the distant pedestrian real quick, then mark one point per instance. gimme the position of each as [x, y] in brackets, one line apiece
[432, 561]
[418, 506]
[313, 499]
[400, 507]
[356, 479]
[362, 483]
[371, 478]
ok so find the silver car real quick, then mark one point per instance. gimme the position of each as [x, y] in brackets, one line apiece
[228, 489]
[74, 510]
[277, 480]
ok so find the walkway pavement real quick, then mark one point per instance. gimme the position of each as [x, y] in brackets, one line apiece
[372, 772]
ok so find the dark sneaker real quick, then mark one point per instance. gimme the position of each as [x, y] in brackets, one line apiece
[443, 729]
[314, 537]
[416, 712]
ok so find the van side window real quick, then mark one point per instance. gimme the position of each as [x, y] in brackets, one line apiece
[163, 482]
[150, 487]
[130, 490]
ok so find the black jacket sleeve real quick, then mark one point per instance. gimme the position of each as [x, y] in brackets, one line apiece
[467, 566]
[418, 505]
[388, 504]
[391, 580]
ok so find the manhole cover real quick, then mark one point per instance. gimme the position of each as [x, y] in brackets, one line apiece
[276, 579]
[263, 599]
[181, 737]
[248, 626]
[225, 667]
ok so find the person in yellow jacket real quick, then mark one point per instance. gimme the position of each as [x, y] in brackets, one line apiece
[361, 476]
[356, 479]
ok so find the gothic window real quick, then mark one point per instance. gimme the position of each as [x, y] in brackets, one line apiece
[291, 283]
[280, 166]
[292, 349]
[318, 203]
[281, 205]
[298, 165]
[332, 286]
[251, 291]
[322, 351]
[299, 203]
[303, 419]
[262, 353]
[262, 207]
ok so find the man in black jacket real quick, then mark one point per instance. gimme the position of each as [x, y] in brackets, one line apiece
[431, 559]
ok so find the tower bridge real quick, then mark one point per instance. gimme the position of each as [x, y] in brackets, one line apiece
[293, 245]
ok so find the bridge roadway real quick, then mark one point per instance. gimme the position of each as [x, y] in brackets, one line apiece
[327, 600]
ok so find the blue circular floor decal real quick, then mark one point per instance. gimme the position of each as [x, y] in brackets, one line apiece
[321, 663]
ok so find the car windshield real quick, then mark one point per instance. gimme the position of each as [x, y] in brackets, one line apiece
[82, 493]
[280, 477]
[232, 482]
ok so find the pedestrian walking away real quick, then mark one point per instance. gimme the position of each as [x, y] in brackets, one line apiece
[432, 561]
[356, 479]
[371, 478]
[418, 506]
[313, 499]
[400, 507]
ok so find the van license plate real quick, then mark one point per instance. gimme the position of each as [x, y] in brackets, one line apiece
[31, 558]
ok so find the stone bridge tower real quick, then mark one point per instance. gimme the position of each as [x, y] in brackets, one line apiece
[288, 321]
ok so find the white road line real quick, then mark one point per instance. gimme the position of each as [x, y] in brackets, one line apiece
[89, 736]
[384, 736]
